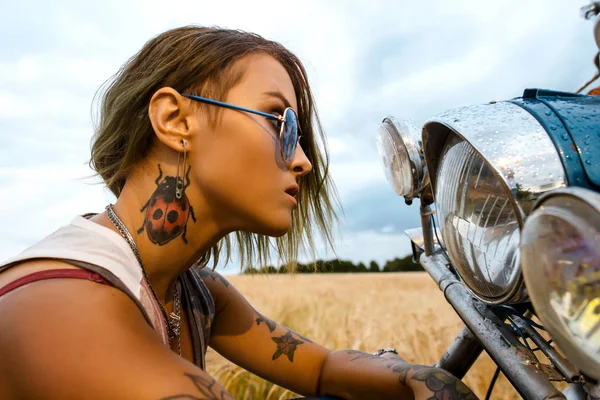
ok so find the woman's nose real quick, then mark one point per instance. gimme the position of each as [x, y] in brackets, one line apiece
[300, 165]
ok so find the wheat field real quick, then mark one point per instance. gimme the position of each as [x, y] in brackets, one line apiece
[355, 311]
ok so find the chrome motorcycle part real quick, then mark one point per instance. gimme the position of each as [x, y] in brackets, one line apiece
[399, 145]
[462, 354]
[521, 368]
[561, 267]
[417, 241]
[567, 370]
[488, 164]
[480, 226]
[426, 224]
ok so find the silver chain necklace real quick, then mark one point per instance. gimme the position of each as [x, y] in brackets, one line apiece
[172, 320]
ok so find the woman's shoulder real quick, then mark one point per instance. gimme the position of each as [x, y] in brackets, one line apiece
[59, 333]
[82, 244]
[30, 267]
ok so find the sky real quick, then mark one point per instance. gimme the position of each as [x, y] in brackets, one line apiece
[365, 60]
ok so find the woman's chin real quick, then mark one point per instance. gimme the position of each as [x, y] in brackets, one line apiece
[274, 225]
[277, 227]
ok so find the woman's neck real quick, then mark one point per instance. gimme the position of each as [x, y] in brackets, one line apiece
[170, 233]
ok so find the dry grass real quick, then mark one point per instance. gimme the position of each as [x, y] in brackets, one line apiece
[355, 311]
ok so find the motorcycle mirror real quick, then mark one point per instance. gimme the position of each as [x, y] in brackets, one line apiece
[597, 31]
[590, 11]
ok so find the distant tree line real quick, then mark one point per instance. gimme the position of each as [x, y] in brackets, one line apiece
[405, 264]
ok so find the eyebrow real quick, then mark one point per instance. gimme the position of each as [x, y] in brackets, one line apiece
[280, 96]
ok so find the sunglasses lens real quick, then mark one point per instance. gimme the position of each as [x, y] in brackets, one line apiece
[289, 136]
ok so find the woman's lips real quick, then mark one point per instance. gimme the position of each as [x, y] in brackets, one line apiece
[292, 198]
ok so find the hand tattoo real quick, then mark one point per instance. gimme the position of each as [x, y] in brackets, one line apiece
[166, 216]
[441, 383]
[209, 390]
[214, 275]
[287, 345]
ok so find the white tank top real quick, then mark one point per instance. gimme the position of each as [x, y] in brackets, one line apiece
[86, 242]
[93, 247]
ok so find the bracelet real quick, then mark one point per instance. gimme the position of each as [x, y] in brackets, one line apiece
[385, 350]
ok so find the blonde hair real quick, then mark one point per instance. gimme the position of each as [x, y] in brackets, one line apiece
[199, 60]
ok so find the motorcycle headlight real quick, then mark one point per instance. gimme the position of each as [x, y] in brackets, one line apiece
[479, 220]
[561, 266]
[487, 164]
[399, 146]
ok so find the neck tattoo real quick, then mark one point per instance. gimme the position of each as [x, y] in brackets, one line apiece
[173, 320]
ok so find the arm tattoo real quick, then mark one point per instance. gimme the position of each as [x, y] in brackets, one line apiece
[270, 324]
[165, 215]
[287, 345]
[261, 318]
[441, 383]
[209, 390]
[213, 275]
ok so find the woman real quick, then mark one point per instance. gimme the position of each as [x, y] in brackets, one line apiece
[108, 306]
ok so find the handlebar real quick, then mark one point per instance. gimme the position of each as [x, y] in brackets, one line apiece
[591, 10]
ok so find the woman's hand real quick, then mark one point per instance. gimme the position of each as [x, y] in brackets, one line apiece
[351, 374]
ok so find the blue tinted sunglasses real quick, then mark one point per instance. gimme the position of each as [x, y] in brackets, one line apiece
[288, 130]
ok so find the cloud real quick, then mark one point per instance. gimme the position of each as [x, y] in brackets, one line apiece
[365, 60]
[377, 208]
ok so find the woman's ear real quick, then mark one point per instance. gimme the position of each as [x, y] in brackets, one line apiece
[172, 117]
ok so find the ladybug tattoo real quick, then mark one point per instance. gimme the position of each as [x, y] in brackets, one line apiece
[166, 215]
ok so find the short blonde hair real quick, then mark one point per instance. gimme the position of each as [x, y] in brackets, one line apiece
[199, 60]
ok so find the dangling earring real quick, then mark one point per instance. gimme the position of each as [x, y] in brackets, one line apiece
[179, 184]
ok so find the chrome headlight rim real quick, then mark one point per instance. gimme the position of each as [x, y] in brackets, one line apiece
[588, 196]
[403, 132]
[527, 126]
[550, 205]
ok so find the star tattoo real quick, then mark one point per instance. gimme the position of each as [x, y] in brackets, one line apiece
[286, 344]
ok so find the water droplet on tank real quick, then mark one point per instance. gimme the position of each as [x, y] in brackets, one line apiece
[553, 127]
[564, 136]
[548, 113]
[588, 162]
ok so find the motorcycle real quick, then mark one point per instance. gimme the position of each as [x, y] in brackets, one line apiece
[510, 230]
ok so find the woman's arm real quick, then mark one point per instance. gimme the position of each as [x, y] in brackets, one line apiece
[274, 352]
[351, 374]
[254, 342]
[74, 339]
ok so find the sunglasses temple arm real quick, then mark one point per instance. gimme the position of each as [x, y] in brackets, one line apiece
[231, 106]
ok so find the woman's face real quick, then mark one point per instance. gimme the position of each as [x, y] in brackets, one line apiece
[236, 165]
